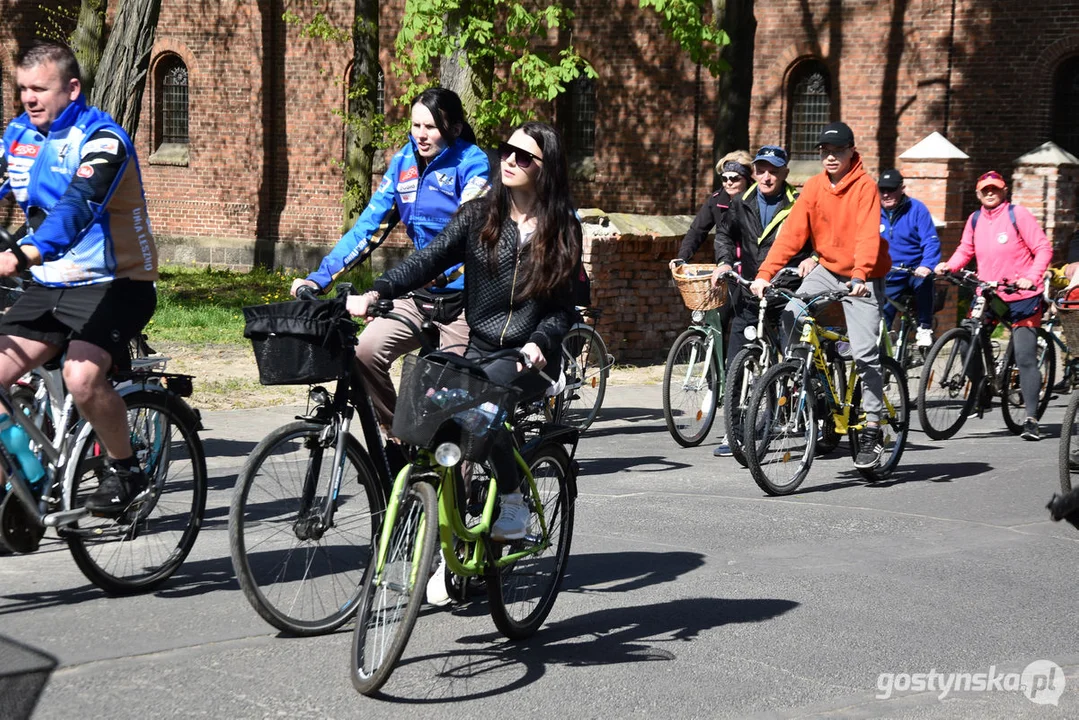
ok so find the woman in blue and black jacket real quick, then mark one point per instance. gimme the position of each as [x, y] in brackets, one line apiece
[440, 168]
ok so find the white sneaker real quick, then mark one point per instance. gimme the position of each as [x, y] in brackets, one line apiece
[924, 337]
[512, 519]
[437, 594]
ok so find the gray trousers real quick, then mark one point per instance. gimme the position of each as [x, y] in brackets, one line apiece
[863, 329]
[384, 340]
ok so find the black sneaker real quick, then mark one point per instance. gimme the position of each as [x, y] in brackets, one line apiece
[116, 491]
[1031, 430]
[870, 448]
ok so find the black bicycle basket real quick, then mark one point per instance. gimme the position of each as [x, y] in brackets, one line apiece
[301, 342]
[438, 398]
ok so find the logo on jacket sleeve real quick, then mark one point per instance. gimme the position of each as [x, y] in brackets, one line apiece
[85, 171]
[24, 150]
[410, 174]
[444, 178]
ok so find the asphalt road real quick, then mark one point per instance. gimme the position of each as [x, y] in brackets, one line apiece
[688, 594]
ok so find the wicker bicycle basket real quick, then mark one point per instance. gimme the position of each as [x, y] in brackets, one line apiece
[1068, 310]
[300, 342]
[695, 284]
[439, 400]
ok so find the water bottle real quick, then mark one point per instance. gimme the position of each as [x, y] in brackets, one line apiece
[17, 442]
[478, 420]
[446, 398]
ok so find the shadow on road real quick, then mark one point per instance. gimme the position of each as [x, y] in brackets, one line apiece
[484, 667]
[640, 420]
[928, 472]
[218, 447]
[608, 465]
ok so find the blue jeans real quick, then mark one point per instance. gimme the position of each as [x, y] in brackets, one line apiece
[920, 288]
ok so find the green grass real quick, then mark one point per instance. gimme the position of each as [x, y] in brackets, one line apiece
[204, 306]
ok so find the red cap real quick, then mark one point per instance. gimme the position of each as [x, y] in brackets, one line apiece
[991, 178]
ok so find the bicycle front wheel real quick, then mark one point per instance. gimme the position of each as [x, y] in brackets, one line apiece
[894, 422]
[391, 599]
[1012, 404]
[522, 593]
[1068, 459]
[746, 368]
[782, 419]
[139, 550]
[301, 570]
[586, 376]
[946, 394]
[690, 388]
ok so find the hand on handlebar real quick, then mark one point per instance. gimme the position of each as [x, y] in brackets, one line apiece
[942, 269]
[532, 358]
[922, 271]
[299, 283]
[360, 305]
[858, 289]
[1024, 284]
[758, 286]
[721, 270]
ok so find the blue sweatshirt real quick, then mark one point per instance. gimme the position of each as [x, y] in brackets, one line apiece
[911, 235]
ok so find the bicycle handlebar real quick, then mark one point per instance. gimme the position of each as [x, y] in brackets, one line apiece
[970, 279]
[9, 243]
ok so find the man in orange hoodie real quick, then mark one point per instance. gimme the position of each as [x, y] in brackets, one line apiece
[839, 211]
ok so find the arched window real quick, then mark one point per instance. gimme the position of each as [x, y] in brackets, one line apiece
[1066, 105]
[810, 108]
[172, 101]
[581, 120]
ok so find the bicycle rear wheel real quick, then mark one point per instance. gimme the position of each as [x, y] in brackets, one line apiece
[1068, 458]
[391, 599]
[893, 427]
[690, 388]
[946, 394]
[522, 593]
[300, 575]
[142, 548]
[1012, 405]
[586, 376]
[782, 419]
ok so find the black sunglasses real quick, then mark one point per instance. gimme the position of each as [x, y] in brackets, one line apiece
[731, 178]
[523, 157]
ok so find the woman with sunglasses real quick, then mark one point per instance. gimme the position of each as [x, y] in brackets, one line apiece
[1009, 246]
[735, 172]
[522, 244]
[438, 169]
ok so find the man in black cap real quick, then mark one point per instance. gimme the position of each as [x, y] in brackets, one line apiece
[912, 242]
[747, 232]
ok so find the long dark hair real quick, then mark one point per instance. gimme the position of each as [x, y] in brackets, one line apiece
[446, 109]
[555, 247]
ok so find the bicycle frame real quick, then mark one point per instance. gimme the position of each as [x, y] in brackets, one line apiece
[712, 326]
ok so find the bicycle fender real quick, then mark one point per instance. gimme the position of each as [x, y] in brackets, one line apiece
[557, 434]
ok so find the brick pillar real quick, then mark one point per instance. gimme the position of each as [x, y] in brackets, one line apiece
[1045, 181]
[935, 172]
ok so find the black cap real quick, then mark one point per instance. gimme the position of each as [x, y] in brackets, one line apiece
[837, 133]
[890, 180]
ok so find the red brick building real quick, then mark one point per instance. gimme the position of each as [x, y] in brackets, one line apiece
[239, 146]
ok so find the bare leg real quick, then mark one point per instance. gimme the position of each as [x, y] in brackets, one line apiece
[19, 355]
[86, 376]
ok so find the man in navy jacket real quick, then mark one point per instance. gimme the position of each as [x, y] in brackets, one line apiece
[912, 241]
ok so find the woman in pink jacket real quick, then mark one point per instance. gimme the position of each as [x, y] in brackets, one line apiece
[1010, 247]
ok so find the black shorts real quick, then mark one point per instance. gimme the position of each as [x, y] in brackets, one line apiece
[107, 315]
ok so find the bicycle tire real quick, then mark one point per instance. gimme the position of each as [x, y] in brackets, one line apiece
[746, 368]
[828, 440]
[690, 410]
[142, 548]
[894, 431]
[784, 410]
[1069, 444]
[301, 578]
[945, 394]
[383, 628]
[521, 595]
[1012, 406]
[586, 376]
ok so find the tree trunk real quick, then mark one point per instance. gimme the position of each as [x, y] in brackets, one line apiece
[359, 126]
[456, 73]
[736, 85]
[121, 76]
[88, 40]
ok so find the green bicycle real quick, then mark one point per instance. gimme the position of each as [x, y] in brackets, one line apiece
[782, 425]
[447, 411]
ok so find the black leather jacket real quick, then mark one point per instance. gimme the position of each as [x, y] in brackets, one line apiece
[741, 228]
[710, 215]
[495, 317]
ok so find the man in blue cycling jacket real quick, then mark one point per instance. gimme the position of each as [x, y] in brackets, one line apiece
[73, 173]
